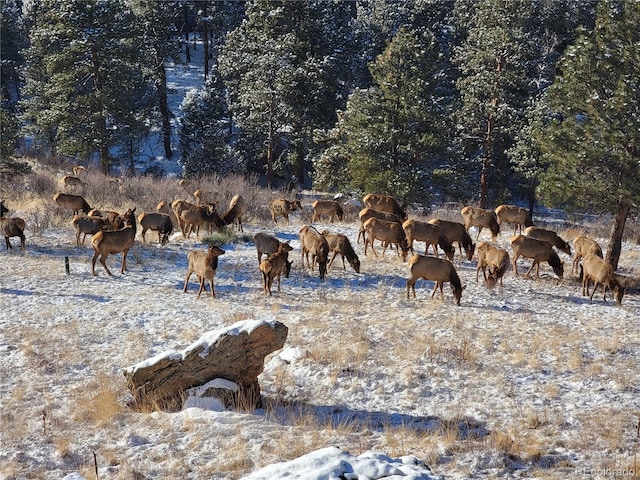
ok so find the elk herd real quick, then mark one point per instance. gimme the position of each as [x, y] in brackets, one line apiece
[382, 218]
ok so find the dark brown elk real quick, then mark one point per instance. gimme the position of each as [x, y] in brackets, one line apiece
[13, 227]
[538, 250]
[204, 264]
[389, 233]
[283, 207]
[234, 215]
[456, 233]
[274, 266]
[596, 269]
[268, 245]
[330, 208]
[367, 213]
[340, 245]
[75, 203]
[584, 246]
[496, 259]
[158, 222]
[198, 216]
[438, 270]
[312, 242]
[430, 234]
[550, 236]
[87, 225]
[385, 203]
[515, 215]
[105, 243]
[480, 218]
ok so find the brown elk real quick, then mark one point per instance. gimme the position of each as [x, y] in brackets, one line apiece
[268, 245]
[496, 259]
[177, 207]
[204, 264]
[385, 203]
[550, 236]
[515, 215]
[237, 207]
[274, 266]
[435, 269]
[596, 269]
[538, 250]
[13, 227]
[87, 225]
[158, 222]
[339, 244]
[200, 215]
[71, 181]
[430, 234]
[79, 170]
[312, 242]
[331, 208]
[389, 233]
[480, 218]
[456, 233]
[163, 207]
[112, 220]
[367, 213]
[115, 241]
[283, 207]
[584, 246]
[75, 203]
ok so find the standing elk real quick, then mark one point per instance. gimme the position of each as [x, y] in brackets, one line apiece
[550, 236]
[283, 207]
[274, 266]
[159, 222]
[115, 241]
[71, 181]
[87, 225]
[496, 259]
[312, 242]
[112, 220]
[584, 246]
[539, 251]
[480, 218]
[367, 213]
[75, 203]
[389, 233]
[198, 216]
[204, 265]
[434, 269]
[237, 207]
[331, 208]
[430, 234]
[79, 170]
[456, 233]
[13, 227]
[268, 245]
[339, 244]
[596, 269]
[515, 215]
[385, 203]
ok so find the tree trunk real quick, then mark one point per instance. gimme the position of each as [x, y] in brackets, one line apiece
[161, 87]
[615, 238]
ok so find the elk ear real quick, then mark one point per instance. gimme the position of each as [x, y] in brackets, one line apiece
[463, 288]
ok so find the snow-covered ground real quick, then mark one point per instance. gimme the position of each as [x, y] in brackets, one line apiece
[526, 380]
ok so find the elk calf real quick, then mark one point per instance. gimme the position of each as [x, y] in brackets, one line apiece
[274, 266]
[339, 244]
[204, 264]
[13, 227]
[283, 207]
[496, 259]
[87, 225]
[584, 246]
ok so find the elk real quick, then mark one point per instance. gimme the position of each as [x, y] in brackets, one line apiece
[496, 259]
[112, 220]
[389, 233]
[331, 208]
[283, 207]
[596, 269]
[339, 244]
[312, 242]
[435, 269]
[79, 170]
[550, 236]
[430, 234]
[179, 206]
[584, 246]
[538, 250]
[159, 222]
[268, 245]
[87, 225]
[518, 216]
[13, 227]
[204, 264]
[199, 215]
[367, 213]
[385, 203]
[75, 203]
[71, 181]
[456, 233]
[480, 218]
[237, 207]
[274, 266]
[115, 241]
[163, 207]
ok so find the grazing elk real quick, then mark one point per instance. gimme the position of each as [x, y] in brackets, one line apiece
[596, 269]
[430, 234]
[518, 216]
[435, 269]
[538, 250]
[237, 207]
[550, 236]
[283, 207]
[71, 181]
[456, 233]
[159, 222]
[389, 233]
[87, 225]
[268, 245]
[199, 215]
[339, 244]
[75, 203]
[496, 259]
[584, 246]
[331, 208]
[116, 241]
[13, 227]
[274, 266]
[480, 218]
[204, 264]
[385, 203]
[367, 213]
[312, 242]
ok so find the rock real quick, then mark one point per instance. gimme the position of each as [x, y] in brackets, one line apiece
[234, 353]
